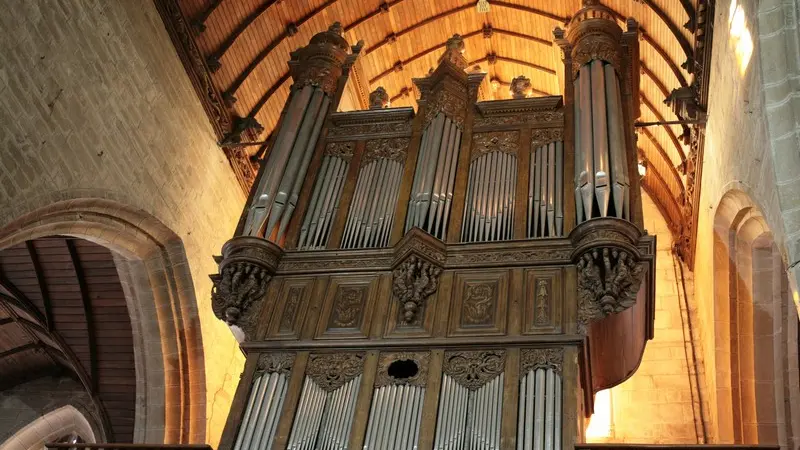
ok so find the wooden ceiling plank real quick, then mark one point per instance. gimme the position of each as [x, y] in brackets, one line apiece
[37, 268]
[673, 28]
[214, 60]
[87, 312]
[666, 159]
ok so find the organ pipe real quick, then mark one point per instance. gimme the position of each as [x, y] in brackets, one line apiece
[262, 413]
[545, 191]
[469, 419]
[539, 413]
[395, 418]
[324, 418]
[287, 164]
[432, 188]
[601, 174]
[371, 214]
[489, 211]
[324, 203]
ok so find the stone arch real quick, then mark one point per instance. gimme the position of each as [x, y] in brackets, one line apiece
[50, 427]
[159, 290]
[779, 41]
[755, 381]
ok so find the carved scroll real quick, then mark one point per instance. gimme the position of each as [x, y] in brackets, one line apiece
[332, 371]
[474, 369]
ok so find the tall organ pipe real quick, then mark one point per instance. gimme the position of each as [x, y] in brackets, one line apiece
[601, 172]
[489, 209]
[434, 178]
[545, 191]
[469, 419]
[371, 214]
[276, 161]
[260, 419]
[394, 418]
[539, 414]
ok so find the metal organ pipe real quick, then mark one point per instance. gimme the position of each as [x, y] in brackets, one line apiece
[539, 414]
[545, 191]
[601, 173]
[489, 209]
[315, 230]
[432, 188]
[394, 418]
[323, 419]
[261, 416]
[469, 419]
[371, 214]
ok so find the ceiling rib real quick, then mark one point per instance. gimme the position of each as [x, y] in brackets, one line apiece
[37, 268]
[20, 349]
[213, 60]
[666, 159]
[6, 321]
[86, 301]
[199, 21]
[673, 28]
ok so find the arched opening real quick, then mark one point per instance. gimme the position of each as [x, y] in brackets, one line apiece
[65, 424]
[156, 282]
[755, 374]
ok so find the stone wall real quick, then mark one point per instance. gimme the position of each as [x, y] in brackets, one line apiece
[94, 103]
[658, 404]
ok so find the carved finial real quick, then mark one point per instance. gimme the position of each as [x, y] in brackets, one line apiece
[336, 28]
[378, 99]
[454, 52]
[520, 86]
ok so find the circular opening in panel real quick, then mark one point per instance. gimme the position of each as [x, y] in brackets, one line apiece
[402, 369]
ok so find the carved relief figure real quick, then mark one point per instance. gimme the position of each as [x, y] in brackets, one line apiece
[414, 280]
[236, 289]
[542, 303]
[478, 306]
[347, 307]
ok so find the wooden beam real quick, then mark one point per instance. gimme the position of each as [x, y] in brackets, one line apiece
[264, 98]
[37, 267]
[667, 128]
[20, 349]
[87, 311]
[213, 60]
[673, 28]
[661, 87]
[6, 321]
[199, 21]
[667, 161]
[19, 298]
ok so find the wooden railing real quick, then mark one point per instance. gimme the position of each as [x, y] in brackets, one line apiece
[113, 446]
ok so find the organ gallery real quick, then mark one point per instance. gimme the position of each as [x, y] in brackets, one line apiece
[466, 275]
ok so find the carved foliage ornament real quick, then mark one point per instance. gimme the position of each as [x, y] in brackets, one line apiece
[544, 136]
[448, 103]
[332, 371]
[479, 303]
[595, 47]
[343, 150]
[235, 290]
[320, 62]
[608, 282]
[494, 141]
[275, 363]
[414, 280]
[474, 369]
[419, 379]
[370, 128]
[542, 358]
[543, 117]
[389, 148]
[347, 307]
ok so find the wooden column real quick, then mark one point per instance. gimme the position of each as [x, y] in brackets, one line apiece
[361, 418]
[290, 402]
[398, 228]
[239, 404]
[337, 229]
[508, 430]
[430, 406]
[570, 393]
[569, 146]
[521, 190]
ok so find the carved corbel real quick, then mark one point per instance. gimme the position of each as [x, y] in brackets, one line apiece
[418, 262]
[610, 268]
[245, 269]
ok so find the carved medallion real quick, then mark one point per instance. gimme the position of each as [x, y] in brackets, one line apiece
[413, 282]
[332, 371]
[479, 304]
[275, 363]
[608, 282]
[348, 307]
[474, 369]
[393, 149]
[383, 378]
[494, 141]
[542, 358]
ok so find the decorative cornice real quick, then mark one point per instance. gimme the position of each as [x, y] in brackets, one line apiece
[382, 123]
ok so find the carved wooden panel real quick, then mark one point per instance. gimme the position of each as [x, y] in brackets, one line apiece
[290, 308]
[347, 307]
[543, 309]
[479, 303]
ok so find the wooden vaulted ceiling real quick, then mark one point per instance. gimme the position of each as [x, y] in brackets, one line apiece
[245, 47]
[63, 313]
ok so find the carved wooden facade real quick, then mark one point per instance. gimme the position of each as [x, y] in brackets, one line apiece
[403, 337]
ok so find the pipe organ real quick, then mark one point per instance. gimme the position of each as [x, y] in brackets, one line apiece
[418, 279]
